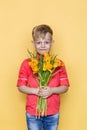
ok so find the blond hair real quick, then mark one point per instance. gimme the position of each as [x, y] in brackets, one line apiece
[41, 31]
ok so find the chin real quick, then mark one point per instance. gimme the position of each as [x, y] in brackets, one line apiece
[42, 52]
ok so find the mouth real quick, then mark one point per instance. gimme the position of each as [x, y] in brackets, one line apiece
[43, 49]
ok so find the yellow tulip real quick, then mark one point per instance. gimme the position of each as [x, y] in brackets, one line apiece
[34, 65]
[47, 66]
[57, 63]
[47, 57]
[35, 69]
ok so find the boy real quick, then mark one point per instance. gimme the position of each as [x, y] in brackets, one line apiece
[42, 41]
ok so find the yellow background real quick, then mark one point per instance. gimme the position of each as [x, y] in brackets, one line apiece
[68, 19]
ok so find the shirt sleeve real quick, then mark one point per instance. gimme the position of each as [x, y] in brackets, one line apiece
[63, 77]
[23, 74]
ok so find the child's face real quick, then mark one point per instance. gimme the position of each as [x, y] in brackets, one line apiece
[43, 44]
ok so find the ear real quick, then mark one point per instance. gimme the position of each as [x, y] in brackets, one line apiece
[52, 42]
[33, 43]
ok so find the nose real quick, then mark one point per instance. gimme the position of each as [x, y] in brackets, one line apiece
[42, 44]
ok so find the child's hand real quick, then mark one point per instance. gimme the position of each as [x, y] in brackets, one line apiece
[45, 92]
[36, 91]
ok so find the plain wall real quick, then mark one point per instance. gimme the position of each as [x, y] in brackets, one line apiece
[68, 20]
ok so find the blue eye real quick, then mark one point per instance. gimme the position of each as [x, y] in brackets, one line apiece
[46, 42]
[38, 43]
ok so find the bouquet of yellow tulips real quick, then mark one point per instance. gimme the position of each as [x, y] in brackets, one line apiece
[44, 67]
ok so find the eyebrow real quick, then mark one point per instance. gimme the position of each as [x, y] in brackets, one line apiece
[45, 40]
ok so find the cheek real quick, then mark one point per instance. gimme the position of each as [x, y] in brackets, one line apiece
[48, 46]
[37, 46]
